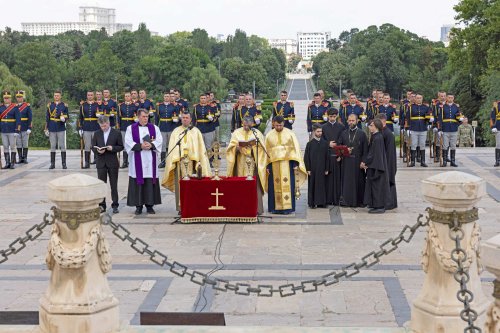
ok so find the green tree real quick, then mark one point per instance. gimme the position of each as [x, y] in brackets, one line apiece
[201, 40]
[205, 79]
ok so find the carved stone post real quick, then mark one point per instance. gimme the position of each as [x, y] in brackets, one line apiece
[437, 309]
[78, 298]
[490, 253]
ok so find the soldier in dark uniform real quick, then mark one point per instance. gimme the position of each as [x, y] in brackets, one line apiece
[204, 120]
[215, 105]
[390, 112]
[127, 115]
[181, 101]
[495, 129]
[134, 95]
[236, 116]
[55, 128]
[26, 125]
[285, 109]
[168, 118]
[88, 125]
[437, 107]
[110, 107]
[10, 126]
[403, 120]
[317, 113]
[323, 100]
[419, 114]
[448, 118]
[252, 110]
[371, 99]
[147, 104]
[352, 106]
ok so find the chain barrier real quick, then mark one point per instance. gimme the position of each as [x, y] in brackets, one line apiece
[464, 295]
[32, 234]
[245, 289]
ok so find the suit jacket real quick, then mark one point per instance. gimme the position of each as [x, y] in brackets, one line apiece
[110, 158]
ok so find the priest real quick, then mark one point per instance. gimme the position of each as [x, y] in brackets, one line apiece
[390, 154]
[332, 130]
[353, 175]
[377, 192]
[186, 144]
[237, 154]
[285, 168]
[316, 159]
[143, 143]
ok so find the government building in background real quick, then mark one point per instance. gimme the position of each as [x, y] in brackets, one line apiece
[309, 44]
[289, 46]
[90, 18]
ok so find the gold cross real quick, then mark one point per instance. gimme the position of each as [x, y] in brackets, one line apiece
[217, 207]
[216, 152]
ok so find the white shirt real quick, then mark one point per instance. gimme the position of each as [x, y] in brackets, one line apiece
[106, 135]
[146, 156]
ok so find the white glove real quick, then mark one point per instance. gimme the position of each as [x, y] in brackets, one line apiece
[28, 131]
[461, 119]
[111, 115]
[80, 132]
[257, 121]
[429, 127]
[136, 120]
[47, 133]
[290, 121]
[175, 120]
[440, 133]
[210, 118]
[325, 118]
[435, 129]
[62, 119]
[409, 132]
[16, 135]
[363, 118]
[396, 120]
[494, 130]
[431, 119]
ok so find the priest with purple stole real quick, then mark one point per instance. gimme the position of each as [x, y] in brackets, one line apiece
[143, 142]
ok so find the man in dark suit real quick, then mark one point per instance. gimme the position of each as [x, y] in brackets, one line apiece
[107, 143]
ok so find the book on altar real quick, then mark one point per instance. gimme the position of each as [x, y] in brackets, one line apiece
[247, 143]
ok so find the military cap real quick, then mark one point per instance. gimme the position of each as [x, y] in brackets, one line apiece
[20, 93]
[6, 94]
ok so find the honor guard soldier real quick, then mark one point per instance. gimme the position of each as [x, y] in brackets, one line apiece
[134, 95]
[236, 116]
[371, 99]
[127, 115]
[215, 105]
[55, 128]
[437, 107]
[419, 115]
[10, 126]
[250, 109]
[26, 125]
[110, 107]
[181, 101]
[285, 109]
[168, 118]
[317, 112]
[88, 125]
[495, 129]
[323, 100]
[374, 107]
[404, 108]
[390, 112]
[100, 104]
[204, 120]
[448, 118]
[147, 104]
[352, 106]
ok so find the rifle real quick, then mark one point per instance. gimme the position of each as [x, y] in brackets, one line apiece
[81, 152]
[431, 147]
[441, 162]
[436, 157]
[401, 142]
[408, 150]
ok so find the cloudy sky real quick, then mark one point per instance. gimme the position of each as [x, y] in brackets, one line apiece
[266, 18]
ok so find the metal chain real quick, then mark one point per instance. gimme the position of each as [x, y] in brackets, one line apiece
[464, 295]
[246, 289]
[33, 233]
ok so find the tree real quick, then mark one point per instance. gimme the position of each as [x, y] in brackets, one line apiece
[202, 80]
[201, 40]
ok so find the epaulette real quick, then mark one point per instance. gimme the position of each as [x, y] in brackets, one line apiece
[434, 101]
[495, 104]
[81, 102]
[275, 103]
[426, 104]
[258, 107]
[158, 103]
[48, 104]
[291, 104]
[217, 101]
[27, 104]
[392, 105]
[325, 103]
[458, 105]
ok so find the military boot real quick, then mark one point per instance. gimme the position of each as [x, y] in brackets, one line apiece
[452, 158]
[25, 155]
[7, 161]
[63, 159]
[86, 164]
[497, 157]
[52, 160]
[445, 157]
[412, 158]
[418, 154]
[20, 153]
[422, 158]
[436, 154]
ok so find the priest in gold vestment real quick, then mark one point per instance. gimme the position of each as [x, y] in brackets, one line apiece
[285, 168]
[244, 153]
[191, 152]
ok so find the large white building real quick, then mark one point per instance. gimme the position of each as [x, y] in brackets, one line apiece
[289, 46]
[310, 44]
[445, 33]
[91, 18]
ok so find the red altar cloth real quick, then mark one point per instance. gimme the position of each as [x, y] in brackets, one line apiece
[232, 199]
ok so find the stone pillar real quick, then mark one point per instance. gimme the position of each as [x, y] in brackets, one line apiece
[437, 309]
[78, 298]
[490, 253]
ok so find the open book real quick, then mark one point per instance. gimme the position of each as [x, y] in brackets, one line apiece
[100, 148]
[247, 143]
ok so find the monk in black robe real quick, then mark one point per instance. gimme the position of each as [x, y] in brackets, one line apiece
[353, 175]
[317, 158]
[390, 151]
[377, 192]
[332, 130]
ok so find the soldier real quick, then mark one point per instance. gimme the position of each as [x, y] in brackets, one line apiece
[110, 107]
[55, 128]
[204, 120]
[419, 114]
[168, 114]
[403, 109]
[285, 109]
[250, 109]
[447, 122]
[371, 99]
[88, 125]
[495, 129]
[181, 101]
[26, 125]
[437, 106]
[10, 126]
[324, 101]
[317, 112]
[100, 104]
[390, 112]
[147, 104]
[134, 95]
[127, 115]
[236, 117]
[216, 108]
[374, 107]
[352, 106]
[465, 134]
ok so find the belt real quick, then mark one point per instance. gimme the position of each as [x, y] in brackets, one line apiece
[450, 121]
[8, 120]
[417, 118]
[203, 120]
[24, 119]
[127, 118]
[89, 119]
[389, 122]
[166, 119]
[55, 119]
[317, 121]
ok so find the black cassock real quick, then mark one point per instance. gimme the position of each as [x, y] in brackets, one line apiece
[390, 150]
[332, 132]
[377, 192]
[353, 177]
[317, 158]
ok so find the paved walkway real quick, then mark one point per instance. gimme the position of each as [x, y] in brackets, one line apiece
[281, 250]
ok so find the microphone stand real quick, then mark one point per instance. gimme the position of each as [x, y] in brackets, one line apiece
[257, 157]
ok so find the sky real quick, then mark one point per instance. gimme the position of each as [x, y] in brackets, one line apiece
[265, 18]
